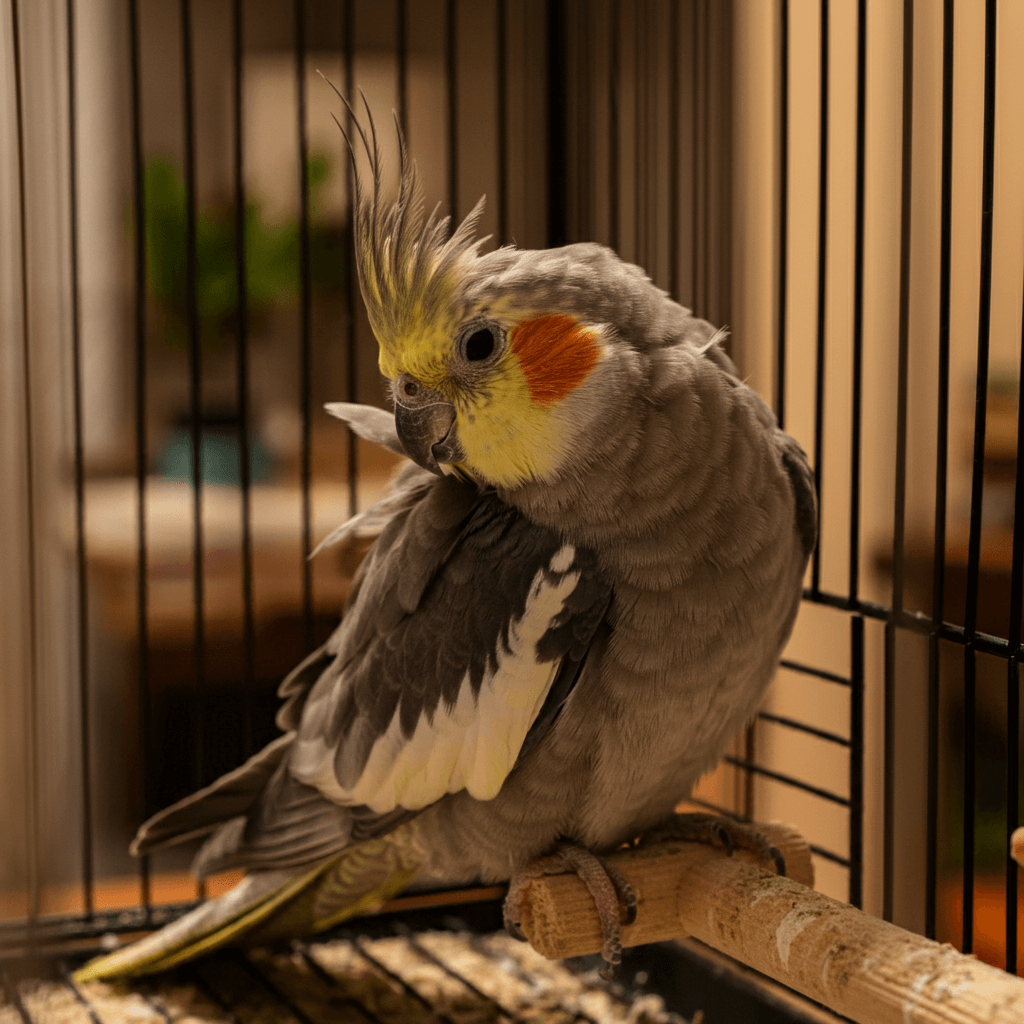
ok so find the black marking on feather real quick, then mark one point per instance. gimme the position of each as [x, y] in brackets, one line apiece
[570, 637]
[447, 580]
[572, 630]
[565, 682]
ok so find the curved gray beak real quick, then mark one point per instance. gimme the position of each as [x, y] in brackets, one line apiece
[428, 434]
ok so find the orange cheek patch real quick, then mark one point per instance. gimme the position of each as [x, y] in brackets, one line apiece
[556, 355]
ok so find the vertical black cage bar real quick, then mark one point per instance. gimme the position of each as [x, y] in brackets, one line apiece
[977, 481]
[856, 426]
[941, 469]
[451, 62]
[984, 322]
[969, 795]
[1013, 775]
[614, 71]
[402, 63]
[640, 15]
[932, 788]
[141, 444]
[1013, 711]
[900, 485]
[903, 324]
[699, 287]
[305, 328]
[888, 771]
[85, 756]
[32, 704]
[242, 385]
[1013, 676]
[501, 59]
[652, 184]
[783, 215]
[674, 165]
[584, 120]
[856, 879]
[351, 283]
[819, 370]
[195, 361]
[557, 128]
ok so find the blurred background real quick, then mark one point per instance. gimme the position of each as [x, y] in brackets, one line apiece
[841, 183]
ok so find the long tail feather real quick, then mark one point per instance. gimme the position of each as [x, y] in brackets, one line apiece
[215, 923]
[270, 905]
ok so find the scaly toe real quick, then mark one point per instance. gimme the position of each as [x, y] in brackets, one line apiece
[614, 898]
[723, 837]
[717, 831]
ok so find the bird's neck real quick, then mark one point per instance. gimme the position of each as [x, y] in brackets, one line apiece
[697, 445]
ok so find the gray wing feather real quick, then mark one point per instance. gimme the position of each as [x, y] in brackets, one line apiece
[464, 563]
[231, 795]
[370, 521]
[801, 479]
[794, 459]
[369, 422]
[288, 826]
[297, 684]
[432, 608]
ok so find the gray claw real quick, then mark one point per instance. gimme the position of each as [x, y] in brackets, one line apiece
[780, 861]
[611, 953]
[723, 837]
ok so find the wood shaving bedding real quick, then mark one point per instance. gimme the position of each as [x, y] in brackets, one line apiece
[396, 980]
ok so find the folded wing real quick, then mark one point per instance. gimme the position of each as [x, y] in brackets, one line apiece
[466, 630]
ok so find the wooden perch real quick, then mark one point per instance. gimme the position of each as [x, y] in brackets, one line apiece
[861, 967]
[1017, 846]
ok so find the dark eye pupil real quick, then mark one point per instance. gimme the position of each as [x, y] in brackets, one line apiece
[479, 345]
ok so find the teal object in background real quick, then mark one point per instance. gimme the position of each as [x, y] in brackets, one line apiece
[219, 455]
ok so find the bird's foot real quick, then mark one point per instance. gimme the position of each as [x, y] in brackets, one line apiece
[614, 898]
[716, 831]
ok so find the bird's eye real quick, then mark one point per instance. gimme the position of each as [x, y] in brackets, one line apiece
[479, 345]
[410, 387]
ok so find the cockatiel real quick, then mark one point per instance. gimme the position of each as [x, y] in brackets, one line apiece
[580, 591]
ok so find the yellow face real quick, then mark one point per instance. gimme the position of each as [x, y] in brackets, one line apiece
[507, 381]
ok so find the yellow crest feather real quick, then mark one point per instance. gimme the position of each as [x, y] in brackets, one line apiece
[409, 270]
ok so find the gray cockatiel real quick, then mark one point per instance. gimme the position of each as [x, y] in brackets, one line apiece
[579, 593]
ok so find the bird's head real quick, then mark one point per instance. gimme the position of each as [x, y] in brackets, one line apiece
[500, 364]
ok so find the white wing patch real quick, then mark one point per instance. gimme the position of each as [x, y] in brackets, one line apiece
[471, 745]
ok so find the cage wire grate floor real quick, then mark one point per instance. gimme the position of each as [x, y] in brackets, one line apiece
[448, 977]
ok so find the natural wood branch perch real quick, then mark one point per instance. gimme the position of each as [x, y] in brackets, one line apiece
[859, 966]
